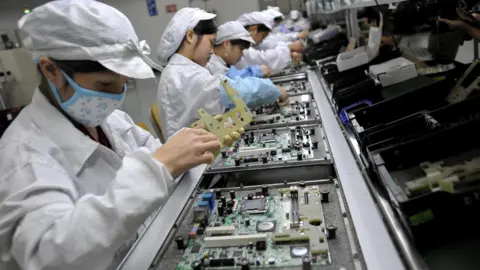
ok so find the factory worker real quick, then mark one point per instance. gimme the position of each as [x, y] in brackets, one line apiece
[297, 22]
[232, 39]
[185, 84]
[272, 40]
[469, 18]
[260, 25]
[78, 176]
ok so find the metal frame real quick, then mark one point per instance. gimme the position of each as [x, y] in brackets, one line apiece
[143, 253]
[377, 246]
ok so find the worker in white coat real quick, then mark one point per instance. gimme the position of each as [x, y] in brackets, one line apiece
[260, 25]
[185, 84]
[277, 35]
[297, 22]
[78, 177]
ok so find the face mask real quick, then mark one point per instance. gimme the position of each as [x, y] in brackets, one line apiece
[88, 107]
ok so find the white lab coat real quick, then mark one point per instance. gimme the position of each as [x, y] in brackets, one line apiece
[216, 65]
[184, 88]
[67, 202]
[276, 58]
[274, 39]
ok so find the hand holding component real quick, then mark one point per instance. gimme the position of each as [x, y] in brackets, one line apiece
[303, 34]
[296, 46]
[266, 71]
[283, 99]
[187, 149]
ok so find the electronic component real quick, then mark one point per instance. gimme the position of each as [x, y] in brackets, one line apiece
[256, 205]
[197, 265]
[299, 251]
[306, 262]
[265, 190]
[296, 88]
[266, 226]
[223, 230]
[232, 194]
[237, 253]
[325, 194]
[195, 248]
[210, 198]
[180, 242]
[234, 240]
[261, 245]
[331, 232]
[247, 222]
[244, 264]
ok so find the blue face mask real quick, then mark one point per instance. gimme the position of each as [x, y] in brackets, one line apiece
[88, 107]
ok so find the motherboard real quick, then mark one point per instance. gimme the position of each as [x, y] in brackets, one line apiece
[301, 110]
[296, 88]
[294, 69]
[267, 228]
[278, 147]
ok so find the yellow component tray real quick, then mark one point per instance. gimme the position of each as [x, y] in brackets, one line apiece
[229, 126]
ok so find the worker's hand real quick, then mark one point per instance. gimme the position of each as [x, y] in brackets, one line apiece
[296, 46]
[303, 34]
[283, 96]
[266, 71]
[296, 57]
[186, 149]
[462, 26]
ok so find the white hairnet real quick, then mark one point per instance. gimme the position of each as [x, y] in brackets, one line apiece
[87, 30]
[185, 19]
[231, 31]
[295, 14]
[256, 17]
[273, 13]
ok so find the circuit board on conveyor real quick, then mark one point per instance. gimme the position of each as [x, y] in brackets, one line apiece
[292, 70]
[284, 229]
[301, 110]
[296, 88]
[272, 148]
[291, 73]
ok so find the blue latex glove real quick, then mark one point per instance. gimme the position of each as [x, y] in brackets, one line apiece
[254, 91]
[250, 71]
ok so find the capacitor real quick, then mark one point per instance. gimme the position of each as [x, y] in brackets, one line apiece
[230, 204]
[237, 161]
[220, 209]
[299, 156]
[306, 263]
[232, 195]
[307, 105]
[251, 134]
[250, 196]
[271, 261]
[224, 154]
[265, 190]
[223, 200]
[244, 264]
[197, 265]
[218, 193]
[297, 118]
[264, 159]
[331, 232]
[325, 194]
[308, 112]
[180, 242]
[274, 131]
[247, 223]
[246, 139]
[314, 145]
[312, 132]
[250, 245]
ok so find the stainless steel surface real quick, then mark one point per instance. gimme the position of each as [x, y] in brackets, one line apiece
[154, 237]
[410, 254]
[290, 77]
[377, 246]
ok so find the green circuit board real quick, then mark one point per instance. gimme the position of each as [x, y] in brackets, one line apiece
[291, 221]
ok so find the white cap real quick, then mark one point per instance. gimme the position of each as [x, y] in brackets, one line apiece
[274, 8]
[256, 17]
[185, 19]
[273, 13]
[294, 14]
[231, 31]
[87, 30]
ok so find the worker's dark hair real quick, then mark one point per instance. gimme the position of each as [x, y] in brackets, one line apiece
[70, 67]
[243, 44]
[278, 19]
[206, 27]
[260, 28]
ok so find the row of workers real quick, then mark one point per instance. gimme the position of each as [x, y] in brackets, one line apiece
[78, 178]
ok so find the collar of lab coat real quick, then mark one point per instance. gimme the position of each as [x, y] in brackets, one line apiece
[219, 59]
[77, 146]
[178, 59]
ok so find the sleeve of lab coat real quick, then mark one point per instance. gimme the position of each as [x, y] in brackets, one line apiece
[276, 59]
[250, 71]
[56, 230]
[254, 91]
